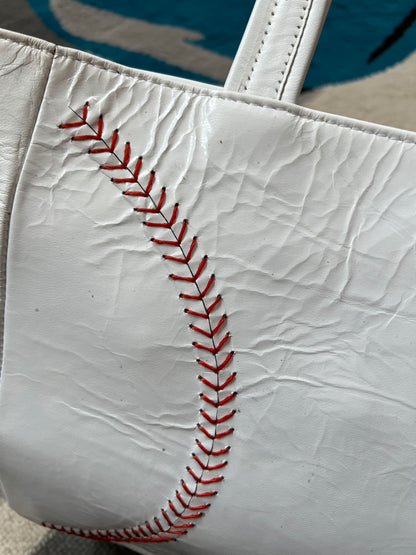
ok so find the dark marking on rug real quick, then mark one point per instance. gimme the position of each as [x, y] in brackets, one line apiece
[396, 35]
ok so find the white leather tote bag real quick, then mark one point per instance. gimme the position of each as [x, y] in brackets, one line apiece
[210, 305]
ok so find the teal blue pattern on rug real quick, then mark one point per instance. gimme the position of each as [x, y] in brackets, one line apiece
[221, 23]
[354, 30]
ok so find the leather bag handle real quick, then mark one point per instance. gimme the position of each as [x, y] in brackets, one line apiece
[277, 48]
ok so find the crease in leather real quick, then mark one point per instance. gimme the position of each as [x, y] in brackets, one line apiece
[4, 248]
[367, 127]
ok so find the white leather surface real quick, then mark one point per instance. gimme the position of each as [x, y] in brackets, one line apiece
[23, 72]
[308, 221]
[277, 48]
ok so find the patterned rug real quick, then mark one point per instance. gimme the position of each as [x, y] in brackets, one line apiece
[367, 71]
[19, 536]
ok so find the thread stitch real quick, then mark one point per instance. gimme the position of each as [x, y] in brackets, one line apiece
[193, 497]
[263, 40]
[285, 69]
[303, 19]
[294, 110]
[129, 73]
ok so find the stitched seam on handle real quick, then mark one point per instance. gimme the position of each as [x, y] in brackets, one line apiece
[284, 70]
[192, 498]
[282, 82]
[262, 43]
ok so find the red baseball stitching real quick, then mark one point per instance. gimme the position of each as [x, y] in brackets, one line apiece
[179, 516]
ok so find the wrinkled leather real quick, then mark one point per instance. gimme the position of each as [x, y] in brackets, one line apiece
[277, 48]
[308, 222]
[23, 71]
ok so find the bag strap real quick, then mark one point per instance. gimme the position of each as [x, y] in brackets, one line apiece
[277, 48]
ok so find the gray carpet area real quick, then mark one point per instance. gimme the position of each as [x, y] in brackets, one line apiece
[19, 536]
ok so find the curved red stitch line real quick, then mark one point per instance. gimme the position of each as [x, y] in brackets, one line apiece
[188, 511]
